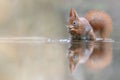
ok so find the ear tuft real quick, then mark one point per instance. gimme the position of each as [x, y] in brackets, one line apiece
[75, 13]
[71, 12]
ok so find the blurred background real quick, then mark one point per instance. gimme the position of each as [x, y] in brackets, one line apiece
[47, 19]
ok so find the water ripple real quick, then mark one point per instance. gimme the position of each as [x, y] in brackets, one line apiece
[41, 40]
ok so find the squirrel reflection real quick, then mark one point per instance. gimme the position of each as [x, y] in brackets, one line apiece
[94, 55]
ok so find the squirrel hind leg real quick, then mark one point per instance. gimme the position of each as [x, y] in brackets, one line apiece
[104, 34]
[92, 35]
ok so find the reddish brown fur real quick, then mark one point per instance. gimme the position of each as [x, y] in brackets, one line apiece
[100, 21]
[100, 57]
[78, 30]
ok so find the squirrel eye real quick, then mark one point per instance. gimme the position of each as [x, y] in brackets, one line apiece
[74, 23]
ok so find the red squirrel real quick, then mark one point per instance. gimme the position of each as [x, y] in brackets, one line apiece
[94, 21]
[93, 56]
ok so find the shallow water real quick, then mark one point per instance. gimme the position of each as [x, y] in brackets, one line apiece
[33, 58]
[47, 54]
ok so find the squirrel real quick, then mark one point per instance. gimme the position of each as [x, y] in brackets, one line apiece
[86, 27]
[93, 56]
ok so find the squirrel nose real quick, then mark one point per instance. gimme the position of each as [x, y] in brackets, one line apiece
[70, 27]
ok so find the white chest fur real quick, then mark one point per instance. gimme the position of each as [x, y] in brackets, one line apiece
[87, 26]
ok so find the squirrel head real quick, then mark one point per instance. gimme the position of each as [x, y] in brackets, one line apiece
[74, 25]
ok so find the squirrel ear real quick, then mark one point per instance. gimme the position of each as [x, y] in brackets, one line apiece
[75, 13]
[71, 13]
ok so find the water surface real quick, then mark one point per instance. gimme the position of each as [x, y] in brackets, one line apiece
[33, 58]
